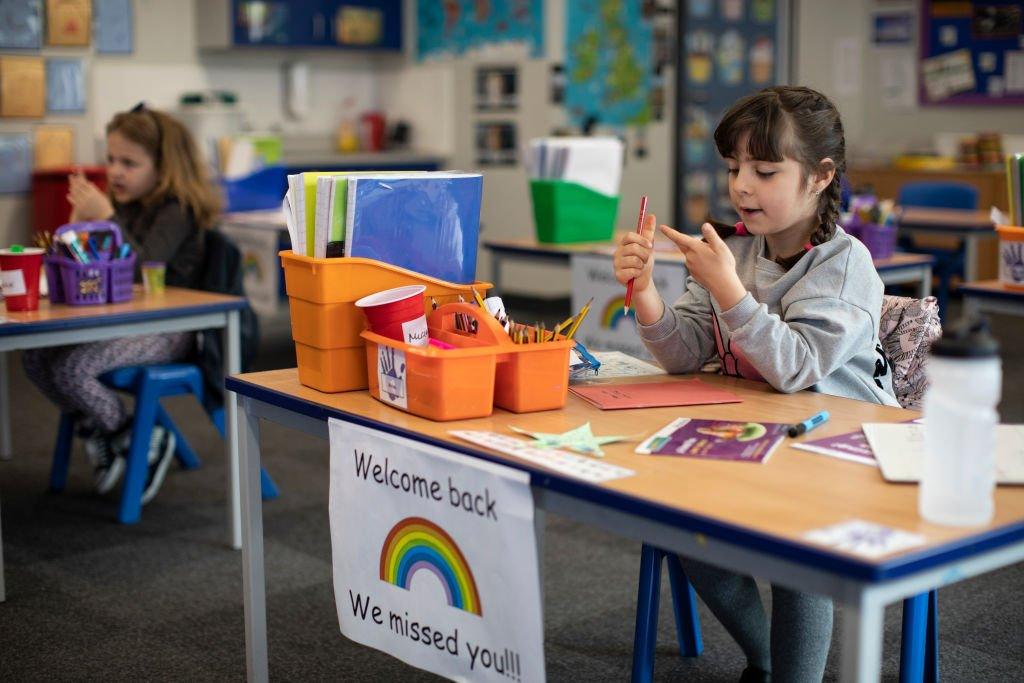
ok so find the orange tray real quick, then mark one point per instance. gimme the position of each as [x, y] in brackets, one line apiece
[484, 370]
[326, 323]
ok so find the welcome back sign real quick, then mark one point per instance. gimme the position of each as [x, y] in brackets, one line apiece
[434, 556]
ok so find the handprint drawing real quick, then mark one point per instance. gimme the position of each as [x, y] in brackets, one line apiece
[392, 378]
[1013, 257]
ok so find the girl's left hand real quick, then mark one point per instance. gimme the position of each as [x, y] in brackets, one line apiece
[88, 203]
[711, 263]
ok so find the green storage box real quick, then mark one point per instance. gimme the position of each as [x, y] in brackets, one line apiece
[569, 212]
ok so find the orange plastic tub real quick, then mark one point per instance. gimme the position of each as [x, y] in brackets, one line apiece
[1011, 256]
[485, 369]
[326, 323]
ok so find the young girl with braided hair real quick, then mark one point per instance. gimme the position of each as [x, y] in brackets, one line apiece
[784, 296]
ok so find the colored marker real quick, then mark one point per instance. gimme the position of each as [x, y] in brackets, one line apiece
[639, 231]
[809, 424]
[70, 240]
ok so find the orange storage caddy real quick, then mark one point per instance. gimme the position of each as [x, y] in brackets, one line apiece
[325, 321]
[484, 370]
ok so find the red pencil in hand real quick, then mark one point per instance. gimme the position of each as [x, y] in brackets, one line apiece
[639, 230]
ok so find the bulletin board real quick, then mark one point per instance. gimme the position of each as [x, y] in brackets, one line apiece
[971, 52]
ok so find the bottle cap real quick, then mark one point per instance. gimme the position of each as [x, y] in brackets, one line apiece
[17, 249]
[966, 338]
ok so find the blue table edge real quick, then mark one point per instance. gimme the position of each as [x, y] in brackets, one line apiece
[820, 558]
[13, 327]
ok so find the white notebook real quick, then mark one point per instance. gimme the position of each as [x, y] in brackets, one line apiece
[899, 450]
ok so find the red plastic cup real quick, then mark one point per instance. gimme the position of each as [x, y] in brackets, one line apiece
[397, 314]
[19, 277]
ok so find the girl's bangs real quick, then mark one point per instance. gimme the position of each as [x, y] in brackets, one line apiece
[770, 134]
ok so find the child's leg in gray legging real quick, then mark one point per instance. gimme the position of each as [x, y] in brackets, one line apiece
[735, 602]
[801, 635]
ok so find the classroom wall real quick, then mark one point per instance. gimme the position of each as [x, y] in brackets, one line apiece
[166, 62]
[871, 128]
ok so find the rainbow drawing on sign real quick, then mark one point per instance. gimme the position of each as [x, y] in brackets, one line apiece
[614, 312]
[416, 544]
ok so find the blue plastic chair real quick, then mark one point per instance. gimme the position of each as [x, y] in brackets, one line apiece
[939, 195]
[919, 651]
[149, 384]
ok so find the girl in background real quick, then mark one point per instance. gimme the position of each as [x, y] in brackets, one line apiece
[162, 199]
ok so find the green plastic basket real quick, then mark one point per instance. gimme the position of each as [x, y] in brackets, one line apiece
[569, 212]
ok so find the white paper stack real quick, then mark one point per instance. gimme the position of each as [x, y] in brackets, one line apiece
[595, 163]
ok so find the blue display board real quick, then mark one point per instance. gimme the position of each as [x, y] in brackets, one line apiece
[971, 52]
[732, 49]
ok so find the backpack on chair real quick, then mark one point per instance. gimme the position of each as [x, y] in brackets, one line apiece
[222, 273]
[906, 329]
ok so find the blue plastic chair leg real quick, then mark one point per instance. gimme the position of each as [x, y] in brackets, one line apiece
[187, 457]
[684, 604]
[645, 637]
[146, 403]
[62, 452]
[268, 488]
[931, 648]
[919, 652]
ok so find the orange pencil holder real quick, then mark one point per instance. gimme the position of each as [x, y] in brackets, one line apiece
[485, 369]
[326, 323]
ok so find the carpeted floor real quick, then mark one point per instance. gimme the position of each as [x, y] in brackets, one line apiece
[88, 599]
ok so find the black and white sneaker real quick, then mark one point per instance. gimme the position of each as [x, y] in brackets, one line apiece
[107, 464]
[161, 452]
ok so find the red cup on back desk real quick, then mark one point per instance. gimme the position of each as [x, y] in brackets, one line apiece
[397, 314]
[19, 277]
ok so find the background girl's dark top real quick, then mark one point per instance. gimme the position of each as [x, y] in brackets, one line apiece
[164, 232]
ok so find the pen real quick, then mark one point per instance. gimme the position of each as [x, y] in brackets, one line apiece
[809, 424]
[639, 231]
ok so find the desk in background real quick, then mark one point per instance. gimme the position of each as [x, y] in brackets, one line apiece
[971, 227]
[260, 235]
[176, 310]
[887, 180]
[899, 269]
[725, 513]
[992, 296]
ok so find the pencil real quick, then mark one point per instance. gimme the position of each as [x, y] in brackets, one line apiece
[579, 319]
[479, 299]
[639, 231]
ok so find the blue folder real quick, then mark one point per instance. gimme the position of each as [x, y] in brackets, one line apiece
[428, 223]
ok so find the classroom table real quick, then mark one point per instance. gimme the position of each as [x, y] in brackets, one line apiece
[744, 517]
[992, 296]
[176, 310]
[968, 225]
[898, 269]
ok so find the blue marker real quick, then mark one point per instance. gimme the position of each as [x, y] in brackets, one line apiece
[809, 424]
[124, 251]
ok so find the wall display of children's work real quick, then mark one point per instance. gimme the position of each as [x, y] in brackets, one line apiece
[731, 48]
[455, 26]
[971, 52]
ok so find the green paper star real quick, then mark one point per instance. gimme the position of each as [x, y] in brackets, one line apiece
[581, 439]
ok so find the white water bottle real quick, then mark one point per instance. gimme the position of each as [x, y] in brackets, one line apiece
[964, 384]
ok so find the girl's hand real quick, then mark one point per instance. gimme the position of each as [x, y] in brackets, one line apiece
[711, 263]
[634, 257]
[88, 202]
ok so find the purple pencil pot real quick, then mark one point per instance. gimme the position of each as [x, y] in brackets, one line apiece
[879, 239]
[103, 279]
